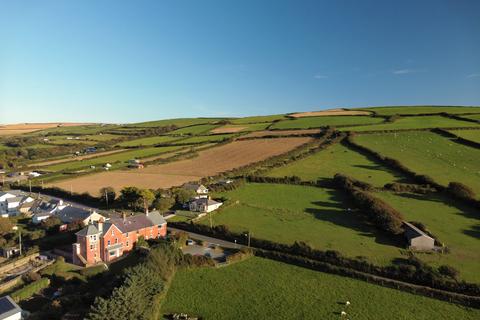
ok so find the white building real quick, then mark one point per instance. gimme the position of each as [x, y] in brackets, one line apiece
[11, 201]
[9, 310]
[204, 205]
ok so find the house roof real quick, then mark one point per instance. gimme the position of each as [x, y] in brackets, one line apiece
[43, 214]
[156, 218]
[194, 186]
[414, 231]
[208, 202]
[88, 231]
[8, 307]
[131, 223]
[14, 199]
[70, 214]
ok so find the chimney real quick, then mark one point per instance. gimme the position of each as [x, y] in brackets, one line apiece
[100, 225]
[124, 215]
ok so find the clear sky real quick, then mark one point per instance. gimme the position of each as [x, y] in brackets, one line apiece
[126, 61]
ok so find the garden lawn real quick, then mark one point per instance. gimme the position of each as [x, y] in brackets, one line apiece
[458, 227]
[289, 213]
[337, 159]
[422, 122]
[316, 122]
[421, 110]
[116, 160]
[472, 135]
[264, 289]
[429, 153]
[149, 141]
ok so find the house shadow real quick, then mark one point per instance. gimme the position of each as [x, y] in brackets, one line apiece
[342, 212]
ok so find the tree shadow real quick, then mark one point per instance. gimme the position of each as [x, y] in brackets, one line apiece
[342, 212]
[473, 232]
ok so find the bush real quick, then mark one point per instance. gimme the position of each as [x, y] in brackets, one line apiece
[30, 289]
[461, 191]
[31, 277]
[448, 271]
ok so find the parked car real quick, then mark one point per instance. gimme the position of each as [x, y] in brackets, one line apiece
[190, 242]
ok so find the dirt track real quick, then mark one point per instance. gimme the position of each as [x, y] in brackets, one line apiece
[208, 163]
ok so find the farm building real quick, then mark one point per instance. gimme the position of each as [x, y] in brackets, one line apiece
[204, 205]
[198, 188]
[417, 239]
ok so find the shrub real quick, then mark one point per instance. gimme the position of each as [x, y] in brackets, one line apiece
[30, 289]
[448, 271]
[460, 191]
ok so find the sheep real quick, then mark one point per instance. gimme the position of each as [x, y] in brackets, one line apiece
[343, 313]
[347, 303]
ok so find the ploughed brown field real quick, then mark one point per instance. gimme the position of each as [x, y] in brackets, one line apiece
[20, 128]
[209, 162]
[267, 133]
[330, 112]
[228, 129]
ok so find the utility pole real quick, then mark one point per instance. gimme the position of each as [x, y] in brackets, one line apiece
[106, 198]
[30, 185]
[211, 224]
[20, 240]
[42, 184]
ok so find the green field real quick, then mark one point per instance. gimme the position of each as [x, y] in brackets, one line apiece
[264, 289]
[289, 213]
[316, 122]
[181, 122]
[421, 109]
[457, 227]
[415, 123]
[210, 138]
[338, 159]
[256, 119]
[472, 135]
[429, 153]
[472, 116]
[79, 130]
[117, 160]
[194, 130]
[150, 141]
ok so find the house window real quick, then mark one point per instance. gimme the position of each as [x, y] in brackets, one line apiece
[108, 242]
[126, 234]
[91, 247]
[113, 232]
[95, 238]
[116, 240]
[127, 243]
[112, 253]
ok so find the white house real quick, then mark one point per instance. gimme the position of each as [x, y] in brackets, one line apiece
[11, 201]
[9, 310]
[204, 205]
[199, 189]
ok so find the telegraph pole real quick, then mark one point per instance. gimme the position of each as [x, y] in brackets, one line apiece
[30, 185]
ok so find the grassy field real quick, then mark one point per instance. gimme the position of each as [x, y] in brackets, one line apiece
[150, 141]
[180, 122]
[472, 116]
[289, 213]
[473, 135]
[77, 130]
[337, 159]
[264, 289]
[117, 160]
[194, 130]
[316, 122]
[210, 138]
[256, 119]
[415, 123]
[421, 109]
[430, 154]
[455, 225]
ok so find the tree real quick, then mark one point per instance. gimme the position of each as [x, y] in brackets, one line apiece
[107, 194]
[163, 204]
[146, 198]
[136, 198]
[448, 271]
[51, 223]
[5, 226]
[183, 195]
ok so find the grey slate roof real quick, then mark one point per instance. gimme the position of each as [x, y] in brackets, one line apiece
[8, 307]
[130, 223]
[413, 232]
[156, 218]
[206, 201]
[71, 214]
[89, 230]
[15, 199]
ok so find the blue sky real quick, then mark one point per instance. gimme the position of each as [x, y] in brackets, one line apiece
[126, 61]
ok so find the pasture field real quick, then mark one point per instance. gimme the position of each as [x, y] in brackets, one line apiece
[256, 119]
[264, 133]
[338, 159]
[241, 128]
[388, 111]
[116, 160]
[289, 213]
[194, 130]
[457, 226]
[149, 141]
[429, 153]
[421, 122]
[180, 122]
[317, 122]
[71, 158]
[209, 138]
[472, 135]
[330, 112]
[472, 116]
[209, 162]
[91, 129]
[264, 289]
[22, 128]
